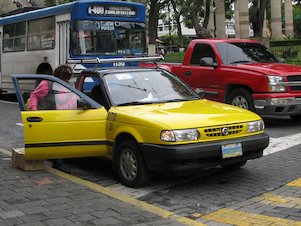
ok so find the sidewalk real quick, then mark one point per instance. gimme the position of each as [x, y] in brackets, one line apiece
[50, 197]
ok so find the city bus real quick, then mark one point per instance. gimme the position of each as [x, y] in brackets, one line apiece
[40, 40]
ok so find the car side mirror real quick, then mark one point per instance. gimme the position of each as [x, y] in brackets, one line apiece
[83, 104]
[200, 92]
[208, 61]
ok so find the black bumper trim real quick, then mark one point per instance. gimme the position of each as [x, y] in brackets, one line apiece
[200, 155]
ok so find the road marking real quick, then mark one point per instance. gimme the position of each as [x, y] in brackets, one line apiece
[240, 218]
[19, 124]
[295, 183]
[282, 143]
[278, 200]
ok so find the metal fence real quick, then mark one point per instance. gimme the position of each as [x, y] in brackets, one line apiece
[289, 50]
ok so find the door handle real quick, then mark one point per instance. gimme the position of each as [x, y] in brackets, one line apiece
[188, 73]
[34, 119]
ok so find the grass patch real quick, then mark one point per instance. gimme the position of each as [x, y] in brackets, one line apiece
[176, 57]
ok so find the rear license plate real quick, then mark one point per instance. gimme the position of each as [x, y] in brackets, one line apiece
[231, 150]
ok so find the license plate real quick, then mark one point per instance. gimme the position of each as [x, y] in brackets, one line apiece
[231, 150]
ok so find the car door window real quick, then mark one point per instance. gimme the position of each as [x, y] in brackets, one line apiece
[47, 95]
[201, 51]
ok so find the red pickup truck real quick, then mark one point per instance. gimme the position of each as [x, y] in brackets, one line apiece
[242, 73]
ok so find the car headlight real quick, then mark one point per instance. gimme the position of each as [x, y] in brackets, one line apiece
[180, 135]
[255, 126]
[275, 85]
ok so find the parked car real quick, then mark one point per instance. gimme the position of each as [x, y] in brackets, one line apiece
[144, 120]
[243, 73]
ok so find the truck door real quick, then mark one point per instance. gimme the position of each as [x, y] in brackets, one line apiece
[61, 132]
[199, 75]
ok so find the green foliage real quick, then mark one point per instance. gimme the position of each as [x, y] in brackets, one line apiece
[297, 20]
[175, 57]
[174, 40]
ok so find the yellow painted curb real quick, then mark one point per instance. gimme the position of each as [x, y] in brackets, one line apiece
[295, 183]
[124, 198]
[240, 218]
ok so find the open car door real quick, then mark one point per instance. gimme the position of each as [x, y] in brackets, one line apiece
[61, 132]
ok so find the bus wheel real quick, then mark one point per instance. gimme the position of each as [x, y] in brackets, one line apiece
[241, 98]
[130, 166]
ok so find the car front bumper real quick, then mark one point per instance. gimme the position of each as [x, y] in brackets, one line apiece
[200, 155]
[277, 104]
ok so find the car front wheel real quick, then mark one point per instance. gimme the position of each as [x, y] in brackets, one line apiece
[130, 166]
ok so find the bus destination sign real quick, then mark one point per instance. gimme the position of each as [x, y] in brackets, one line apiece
[96, 10]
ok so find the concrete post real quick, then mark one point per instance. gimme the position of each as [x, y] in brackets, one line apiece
[289, 26]
[220, 19]
[276, 19]
[244, 22]
[210, 26]
[236, 17]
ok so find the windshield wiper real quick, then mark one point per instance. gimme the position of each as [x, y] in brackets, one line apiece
[182, 99]
[129, 86]
[130, 103]
[242, 61]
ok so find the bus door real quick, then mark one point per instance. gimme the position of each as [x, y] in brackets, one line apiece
[62, 37]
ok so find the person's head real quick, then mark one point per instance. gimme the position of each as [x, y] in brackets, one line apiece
[63, 72]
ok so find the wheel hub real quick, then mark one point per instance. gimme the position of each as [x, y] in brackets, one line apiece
[128, 165]
[241, 102]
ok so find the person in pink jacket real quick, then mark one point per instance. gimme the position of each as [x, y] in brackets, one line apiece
[53, 96]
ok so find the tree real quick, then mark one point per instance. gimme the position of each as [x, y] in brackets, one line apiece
[154, 8]
[201, 31]
[257, 12]
[177, 16]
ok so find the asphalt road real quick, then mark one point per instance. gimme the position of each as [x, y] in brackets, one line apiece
[196, 194]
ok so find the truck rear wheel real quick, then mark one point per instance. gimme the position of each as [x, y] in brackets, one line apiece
[241, 98]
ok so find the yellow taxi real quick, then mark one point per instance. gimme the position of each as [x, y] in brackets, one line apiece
[143, 119]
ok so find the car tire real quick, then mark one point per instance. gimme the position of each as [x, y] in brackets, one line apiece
[233, 166]
[241, 98]
[130, 165]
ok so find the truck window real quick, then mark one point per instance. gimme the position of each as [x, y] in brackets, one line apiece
[200, 51]
[239, 52]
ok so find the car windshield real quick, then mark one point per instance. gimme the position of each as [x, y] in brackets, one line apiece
[145, 87]
[238, 52]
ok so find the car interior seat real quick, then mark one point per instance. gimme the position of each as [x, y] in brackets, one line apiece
[97, 94]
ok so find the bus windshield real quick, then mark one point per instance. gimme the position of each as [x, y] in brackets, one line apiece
[108, 38]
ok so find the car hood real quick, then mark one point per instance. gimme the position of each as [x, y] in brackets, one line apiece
[187, 114]
[272, 68]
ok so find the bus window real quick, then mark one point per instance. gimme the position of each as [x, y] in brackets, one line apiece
[14, 37]
[108, 38]
[41, 34]
[91, 42]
